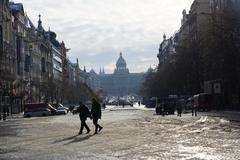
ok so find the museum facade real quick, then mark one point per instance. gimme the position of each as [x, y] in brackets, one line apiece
[121, 82]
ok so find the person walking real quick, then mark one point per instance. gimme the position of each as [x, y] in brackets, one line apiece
[83, 114]
[194, 110]
[180, 104]
[96, 114]
[104, 105]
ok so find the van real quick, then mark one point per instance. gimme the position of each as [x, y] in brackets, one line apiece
[30, 107]
[166, 106]
[202, 102]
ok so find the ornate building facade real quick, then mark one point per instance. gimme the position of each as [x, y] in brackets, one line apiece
[34, 67]
[121, 82]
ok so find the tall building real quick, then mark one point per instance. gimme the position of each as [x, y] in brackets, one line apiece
[121, 82]
[167, 52]
[7, 54]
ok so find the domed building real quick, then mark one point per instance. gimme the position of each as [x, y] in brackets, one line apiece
[121, 66]
[121, 82]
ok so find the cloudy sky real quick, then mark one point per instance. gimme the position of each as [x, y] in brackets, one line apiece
[98, 30]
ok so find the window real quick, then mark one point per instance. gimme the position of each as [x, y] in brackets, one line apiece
[43, 65]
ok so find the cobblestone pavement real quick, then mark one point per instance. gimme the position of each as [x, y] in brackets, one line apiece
[127, 134]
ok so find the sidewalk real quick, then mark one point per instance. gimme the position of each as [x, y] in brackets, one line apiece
[233, 116]
[230, 115]
[13, 117]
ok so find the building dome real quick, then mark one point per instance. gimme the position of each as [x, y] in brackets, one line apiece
[121, 66]
[121, 63]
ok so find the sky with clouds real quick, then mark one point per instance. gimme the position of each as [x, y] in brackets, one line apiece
[98, 30]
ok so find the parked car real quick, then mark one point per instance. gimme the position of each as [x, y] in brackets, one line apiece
[202, 102]
[61, 110]
[150, 103]
[166, 105]
[60, 107]
[30, 107]
[37, 112]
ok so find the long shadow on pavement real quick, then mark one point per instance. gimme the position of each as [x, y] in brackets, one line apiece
[73, 139]
[65, 139]
[79, 139]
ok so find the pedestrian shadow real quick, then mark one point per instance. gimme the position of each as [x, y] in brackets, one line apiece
[65, 139]
[78, 139]
[73, 139]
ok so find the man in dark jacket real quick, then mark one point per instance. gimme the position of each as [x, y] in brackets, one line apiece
[96, 114]
[83, 114]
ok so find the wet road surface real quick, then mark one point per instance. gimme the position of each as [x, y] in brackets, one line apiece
[127, 134]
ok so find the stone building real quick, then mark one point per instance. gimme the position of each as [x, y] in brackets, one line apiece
[195, 24]
[166, 52]
[46, 66]
[194, 27]
[121, 82]
[33, 64]
[7, 55]
[58, 58]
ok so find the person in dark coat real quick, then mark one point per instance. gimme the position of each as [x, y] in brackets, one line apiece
[83, 114]
[104, 106]
[179, 107]
[96, 114]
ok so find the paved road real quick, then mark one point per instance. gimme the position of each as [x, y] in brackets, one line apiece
[127, 134]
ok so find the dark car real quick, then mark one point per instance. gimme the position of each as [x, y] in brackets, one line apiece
[166, 106]
[150, 103]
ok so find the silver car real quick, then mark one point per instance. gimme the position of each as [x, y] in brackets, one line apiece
[61, 110]
[37, 112]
